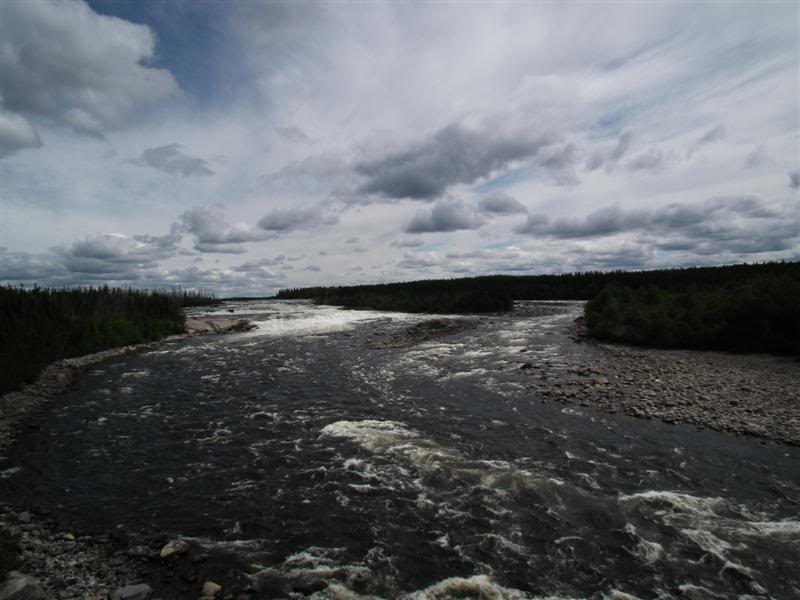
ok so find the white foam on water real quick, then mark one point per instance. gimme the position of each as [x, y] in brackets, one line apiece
[10, 472]
[481, 587]
[306, 319]
[137, 374]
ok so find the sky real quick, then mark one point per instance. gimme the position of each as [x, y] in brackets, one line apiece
[246, 147]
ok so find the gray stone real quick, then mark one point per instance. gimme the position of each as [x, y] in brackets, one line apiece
[139, 591]
[21, 587]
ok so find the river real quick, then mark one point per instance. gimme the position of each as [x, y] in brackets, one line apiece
[306, 451]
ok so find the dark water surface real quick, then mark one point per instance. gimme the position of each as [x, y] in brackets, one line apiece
[428, 471]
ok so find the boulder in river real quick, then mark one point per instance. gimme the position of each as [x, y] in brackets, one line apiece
[210, 589]
[174, 548]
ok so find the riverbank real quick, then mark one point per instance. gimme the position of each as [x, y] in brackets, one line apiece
[41, 560]
[743, 394]
[16, 407]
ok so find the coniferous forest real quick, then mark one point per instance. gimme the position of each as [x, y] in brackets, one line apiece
[738, 308]
[39, 326]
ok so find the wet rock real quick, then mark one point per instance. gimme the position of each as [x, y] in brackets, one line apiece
[174, 548]
[309, 586]
[139, 552]
[21, 587]
[210, 589]
[527, 365]
[139, 591]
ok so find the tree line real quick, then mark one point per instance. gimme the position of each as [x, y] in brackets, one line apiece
[39, 325]
[748, 307]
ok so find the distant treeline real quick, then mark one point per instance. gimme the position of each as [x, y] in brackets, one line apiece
[738, 307]
[501, 289]
[39, 326]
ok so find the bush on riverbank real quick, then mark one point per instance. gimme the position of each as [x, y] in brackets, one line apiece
[39, 326]
[761, 314]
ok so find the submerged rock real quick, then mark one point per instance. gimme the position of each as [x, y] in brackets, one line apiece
[139, 591]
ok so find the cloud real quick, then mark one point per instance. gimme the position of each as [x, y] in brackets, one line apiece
[739, 224]
[260, 265]
[445, 215]
[220, 248]
[283, 220]
[453, 155]
[757, 158]
[113, 253]
[292, 134]
[22, 266]
[63, 61]
[16, 133]
[610, 156]
[171, 159]
[501, 204]
[712, 135]
[650, 160]
[407, 243]
[214, 234]
[794, 179]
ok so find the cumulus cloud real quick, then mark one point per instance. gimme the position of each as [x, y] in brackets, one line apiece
[283, 220]
[63, 61]
[743, 224]
[453, 155]
[173, 160]
[501, 204]
[213, 233]
[23, 266]
[445, 215]
[16, 133]
[113, 253]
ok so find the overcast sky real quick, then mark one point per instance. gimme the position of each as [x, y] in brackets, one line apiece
[251, 146]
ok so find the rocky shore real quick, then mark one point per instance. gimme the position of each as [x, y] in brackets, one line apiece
[744, 394]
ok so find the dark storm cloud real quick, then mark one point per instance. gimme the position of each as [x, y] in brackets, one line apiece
[453, 155]
[743, 224]
[794, 179]
[283, 220]
[501, 204]
[173, 160]
[445, 215]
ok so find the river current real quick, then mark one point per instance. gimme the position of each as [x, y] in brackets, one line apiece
[307, 450]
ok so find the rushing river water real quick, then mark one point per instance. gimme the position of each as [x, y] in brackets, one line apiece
[311, 453]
